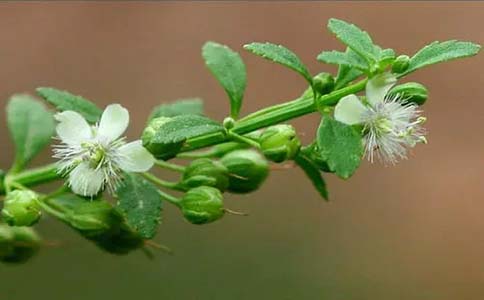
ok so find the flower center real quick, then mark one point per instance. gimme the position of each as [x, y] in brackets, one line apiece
[383, 125]
[95, 154]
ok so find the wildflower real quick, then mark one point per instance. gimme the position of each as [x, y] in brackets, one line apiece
[390, 124]
[95, 156]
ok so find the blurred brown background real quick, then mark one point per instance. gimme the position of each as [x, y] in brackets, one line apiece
[414, 231]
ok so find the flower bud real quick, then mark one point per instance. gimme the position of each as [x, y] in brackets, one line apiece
[247, 170]
[21, 208]
[18, 244]
[202, 205]
[323, 83]
[229, 123]
[206, 172]
[279, 143]
[92, 219]
[401, 64]
[159, 150]
[410, 92]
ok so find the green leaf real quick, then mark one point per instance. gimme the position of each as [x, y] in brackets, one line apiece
[346, 74]
[188, 106]
[441, 51]
[340, 145]
[182, 127]
[355, 38]
[229, 69]
[140, 203]
[31, 126]
[343, 58]
[64, 100]
[313, 173]
[281, 55]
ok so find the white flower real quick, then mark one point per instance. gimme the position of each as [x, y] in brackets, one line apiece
[95, 156]
[390, 125]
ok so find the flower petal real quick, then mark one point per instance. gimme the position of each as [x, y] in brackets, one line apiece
[86, 181]
[114, 121]
[135, 158]
[72, 128]
[378, 86]
[349, 110]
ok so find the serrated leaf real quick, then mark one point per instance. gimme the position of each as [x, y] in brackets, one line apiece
[441, 51]
[188, 106]
[64, 100]
[343, 58]
[183, 127]
[313, 173]
[140, 203]
[340, 145]
[281, 55]
[355, 38]
[31, 126]
[229, 69]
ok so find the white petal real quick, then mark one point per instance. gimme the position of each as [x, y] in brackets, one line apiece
[72, 128]
[349, 110]
[135, 158]
[378, 86]
[86, 181]
[114, 121]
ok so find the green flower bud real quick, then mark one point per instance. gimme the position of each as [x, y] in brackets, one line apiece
[401, 64]
[18, 244]
[98, 222]
[160, 151]
[202, 205]
[247, 170]
[280, 143]
[21, 208]
[206, 172]
[93, 218]
[411, 92]
[229, 123]
[323, 83]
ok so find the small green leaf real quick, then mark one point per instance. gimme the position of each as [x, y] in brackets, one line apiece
[140, 203]
[229, 69]
[281, 55]
[64, 100]
[182, 127]
[441, 51]
[313, 173]
[340, 145]
[355, 38]
[343, 58]
[188, 106]
[346, 74]
[31, 126]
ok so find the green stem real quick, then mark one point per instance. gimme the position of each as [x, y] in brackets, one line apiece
[33, 176]
[243, 139]
[172, 199]
[170, 166]
[163, 183]
[276, 114]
